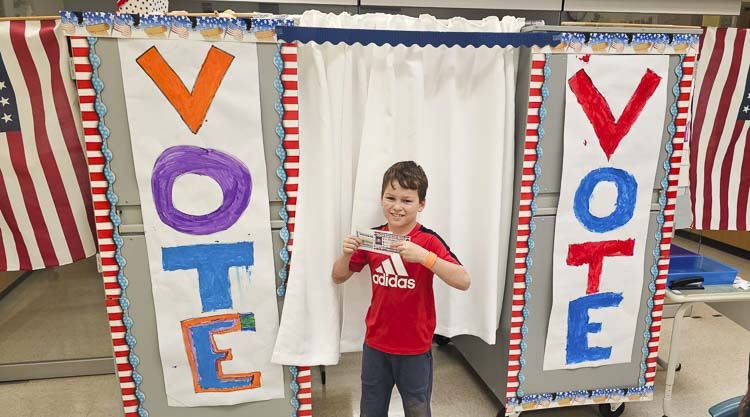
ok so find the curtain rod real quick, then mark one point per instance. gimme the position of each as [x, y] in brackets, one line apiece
[216, 13]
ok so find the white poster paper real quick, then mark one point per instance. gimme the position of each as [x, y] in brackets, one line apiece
[194, 116]
[614, 124]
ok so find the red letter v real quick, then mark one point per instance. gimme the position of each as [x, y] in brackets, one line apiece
[596, 108]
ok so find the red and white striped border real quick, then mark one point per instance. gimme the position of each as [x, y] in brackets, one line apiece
[527, 180]
[104, 227]
[290, 122]
[524, 218]
[667, 229]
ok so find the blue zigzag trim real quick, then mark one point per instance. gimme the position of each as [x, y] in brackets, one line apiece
[671, 129]
[408, 38]
[101, 111]
[281, 173]
[295, 390]
[532, 225]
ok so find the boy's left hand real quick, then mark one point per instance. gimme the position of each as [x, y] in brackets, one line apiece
[411, 252]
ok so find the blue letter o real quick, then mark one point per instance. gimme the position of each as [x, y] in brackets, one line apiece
[627, 188]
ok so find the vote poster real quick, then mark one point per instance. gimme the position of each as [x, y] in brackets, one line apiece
[614, 123]
[195, 125]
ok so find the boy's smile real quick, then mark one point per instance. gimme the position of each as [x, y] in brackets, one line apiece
[400, 208]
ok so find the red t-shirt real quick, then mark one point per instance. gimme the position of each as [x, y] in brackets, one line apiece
[401, 317]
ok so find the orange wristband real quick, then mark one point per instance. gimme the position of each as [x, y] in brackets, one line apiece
[429, 261]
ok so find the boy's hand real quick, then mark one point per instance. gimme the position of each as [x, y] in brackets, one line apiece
[351, 243]
[411, 252]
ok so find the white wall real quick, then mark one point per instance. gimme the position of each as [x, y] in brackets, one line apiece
[718, 7]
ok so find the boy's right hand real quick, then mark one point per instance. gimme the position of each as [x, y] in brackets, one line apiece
[351, 243]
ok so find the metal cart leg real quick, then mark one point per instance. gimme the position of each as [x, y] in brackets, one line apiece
[673, 357]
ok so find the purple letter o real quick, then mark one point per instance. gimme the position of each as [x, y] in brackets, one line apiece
[230, 173]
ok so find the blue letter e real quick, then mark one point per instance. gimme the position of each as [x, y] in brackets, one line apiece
[579, 327]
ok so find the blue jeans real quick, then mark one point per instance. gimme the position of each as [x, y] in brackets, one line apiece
[412, 374]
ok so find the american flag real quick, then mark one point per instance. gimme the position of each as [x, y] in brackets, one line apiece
[720, 139]
[46, 215]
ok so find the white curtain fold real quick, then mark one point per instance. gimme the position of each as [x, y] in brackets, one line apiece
[363, 108]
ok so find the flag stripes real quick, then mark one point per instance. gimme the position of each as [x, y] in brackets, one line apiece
[46, 216]
[720, 155]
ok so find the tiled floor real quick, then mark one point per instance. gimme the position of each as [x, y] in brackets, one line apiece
[89, 396]
[9, 278]
[459, 392]
[56, 313]
[714, 357]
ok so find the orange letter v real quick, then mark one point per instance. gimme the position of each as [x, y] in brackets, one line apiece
[191, 106]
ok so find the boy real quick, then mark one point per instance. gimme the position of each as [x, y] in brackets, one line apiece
[401, 318]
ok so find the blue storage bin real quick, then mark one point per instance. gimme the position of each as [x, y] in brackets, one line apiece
[712, 272]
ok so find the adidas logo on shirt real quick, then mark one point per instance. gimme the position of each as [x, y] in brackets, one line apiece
[392, 273]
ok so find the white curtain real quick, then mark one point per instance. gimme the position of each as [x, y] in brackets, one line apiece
[363, 108]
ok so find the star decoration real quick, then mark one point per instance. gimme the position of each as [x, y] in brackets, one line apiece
[746, 109]
[7, 118]
[4, 101]
[2, 85]
[748, 96]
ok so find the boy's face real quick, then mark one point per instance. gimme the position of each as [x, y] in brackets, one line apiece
[400, 206]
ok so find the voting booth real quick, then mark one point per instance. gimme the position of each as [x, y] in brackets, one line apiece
[600, 126]
[193, 143]
[237, 276]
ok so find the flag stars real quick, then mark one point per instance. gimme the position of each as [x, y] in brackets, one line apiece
[746, 109]
[7, 118]
[2, 85]
[4, 101]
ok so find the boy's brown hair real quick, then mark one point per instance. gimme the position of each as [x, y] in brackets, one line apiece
[408, 175]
